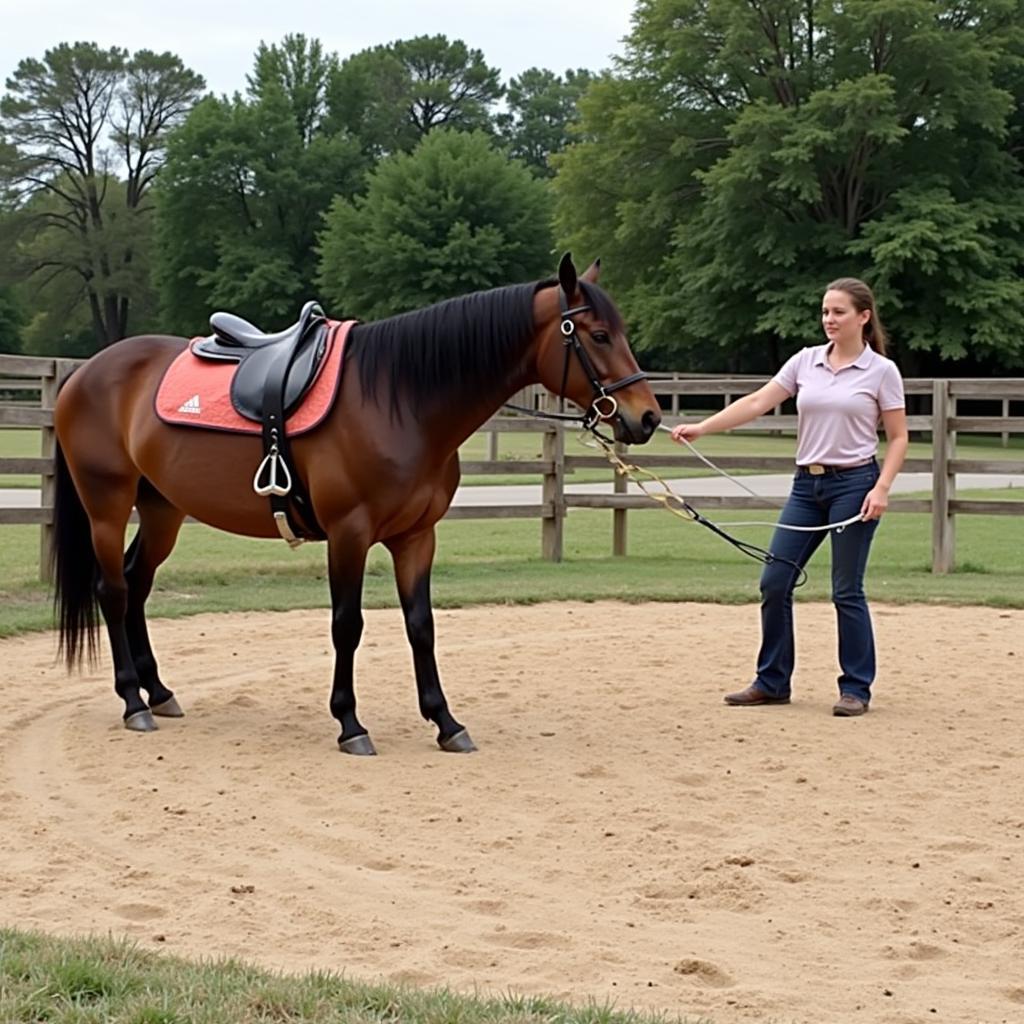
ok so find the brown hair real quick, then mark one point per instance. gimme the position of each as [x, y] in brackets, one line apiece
[863, 299]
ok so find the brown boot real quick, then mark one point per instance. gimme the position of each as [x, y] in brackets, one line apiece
[849, 706]
[752, 696]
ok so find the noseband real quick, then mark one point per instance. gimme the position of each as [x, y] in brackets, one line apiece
[603, 406]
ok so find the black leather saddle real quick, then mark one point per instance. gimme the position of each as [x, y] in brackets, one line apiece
[274, 372]
[285, 363]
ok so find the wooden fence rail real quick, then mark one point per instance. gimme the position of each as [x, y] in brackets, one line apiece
[29, 376]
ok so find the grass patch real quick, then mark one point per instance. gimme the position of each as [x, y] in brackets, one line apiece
[45, 980]
[498, 562]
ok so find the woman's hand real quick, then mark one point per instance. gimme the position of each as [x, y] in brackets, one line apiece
[876, 501]
[687, 432]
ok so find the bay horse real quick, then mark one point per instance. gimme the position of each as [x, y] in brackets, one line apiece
[382, 466]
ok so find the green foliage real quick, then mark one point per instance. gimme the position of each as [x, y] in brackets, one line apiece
[747, 154]
[86, 129]
[454, 216]
[390, 97]
[12, 319]
[262, 170]
[63, 317]
[541, 107]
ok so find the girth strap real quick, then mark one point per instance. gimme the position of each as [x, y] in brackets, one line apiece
[277, 458]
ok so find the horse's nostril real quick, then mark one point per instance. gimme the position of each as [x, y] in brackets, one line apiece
[650, 421]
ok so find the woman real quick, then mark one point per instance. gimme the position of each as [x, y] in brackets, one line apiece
[842, 388]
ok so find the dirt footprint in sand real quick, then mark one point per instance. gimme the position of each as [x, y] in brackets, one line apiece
[139, 911]
[703, 973]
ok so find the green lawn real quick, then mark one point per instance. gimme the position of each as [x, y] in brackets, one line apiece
[498, 561]
[489, 561]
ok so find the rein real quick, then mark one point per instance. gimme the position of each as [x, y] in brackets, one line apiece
[679, 506]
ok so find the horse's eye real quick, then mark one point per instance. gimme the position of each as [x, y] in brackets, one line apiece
[601, 337]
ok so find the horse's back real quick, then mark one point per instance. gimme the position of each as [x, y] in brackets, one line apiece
[119, 374]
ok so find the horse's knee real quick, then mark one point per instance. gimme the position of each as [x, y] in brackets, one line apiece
[419, 628]
[347, 629]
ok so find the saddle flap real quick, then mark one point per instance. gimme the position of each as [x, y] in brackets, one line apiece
[297, 365]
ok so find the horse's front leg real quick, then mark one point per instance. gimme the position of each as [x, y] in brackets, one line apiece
[413, 556]
[346, 556]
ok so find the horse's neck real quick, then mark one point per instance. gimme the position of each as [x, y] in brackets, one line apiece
[461, 420]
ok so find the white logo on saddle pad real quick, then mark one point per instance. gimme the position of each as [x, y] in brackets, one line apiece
[192, 406]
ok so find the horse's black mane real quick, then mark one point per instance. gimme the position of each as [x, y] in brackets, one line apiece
[457, 347]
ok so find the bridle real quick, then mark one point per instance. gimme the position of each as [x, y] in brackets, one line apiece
[595, 414]
[604, 405]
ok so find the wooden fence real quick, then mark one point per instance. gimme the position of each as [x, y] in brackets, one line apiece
[28, 387]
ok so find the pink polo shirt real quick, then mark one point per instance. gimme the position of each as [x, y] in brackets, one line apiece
[838, 410]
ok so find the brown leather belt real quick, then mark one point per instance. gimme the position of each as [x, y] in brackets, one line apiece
[818, 469]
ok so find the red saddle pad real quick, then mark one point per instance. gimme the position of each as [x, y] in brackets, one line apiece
[196, 392]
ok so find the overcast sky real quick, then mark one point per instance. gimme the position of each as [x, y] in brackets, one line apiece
[218, 39]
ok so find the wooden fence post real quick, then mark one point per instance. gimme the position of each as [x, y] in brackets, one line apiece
[49, 386]
[619, 486]
[943, 481]
[553, 492]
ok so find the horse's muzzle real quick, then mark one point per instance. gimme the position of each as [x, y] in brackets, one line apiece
[633, 429]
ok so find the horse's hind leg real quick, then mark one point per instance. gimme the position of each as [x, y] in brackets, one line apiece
[108, 495]
[159, 523]
[413, 555]
[346, 556]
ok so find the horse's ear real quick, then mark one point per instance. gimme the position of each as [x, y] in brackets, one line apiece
[567, 276]
[593, 272]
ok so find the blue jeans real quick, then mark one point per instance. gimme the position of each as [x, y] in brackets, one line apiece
[815, 501]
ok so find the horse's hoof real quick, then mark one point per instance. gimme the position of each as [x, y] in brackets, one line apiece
[169, 709]
[141, 721]
[360, 745]
[457, 743]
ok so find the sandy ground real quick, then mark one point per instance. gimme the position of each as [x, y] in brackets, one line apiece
[621, 835]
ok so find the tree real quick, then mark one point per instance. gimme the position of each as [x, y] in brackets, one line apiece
[541, 108]
[12, 319]
[12, 315]
[749, 152]
[391, 96]
[262, 169]
[86, 128]
[454, 216]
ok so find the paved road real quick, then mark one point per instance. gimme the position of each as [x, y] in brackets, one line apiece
[773, 485]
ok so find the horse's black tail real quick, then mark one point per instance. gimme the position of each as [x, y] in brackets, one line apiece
[74, 570]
